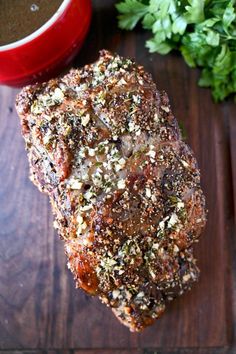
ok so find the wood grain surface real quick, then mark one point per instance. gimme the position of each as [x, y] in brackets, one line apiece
[40, 309]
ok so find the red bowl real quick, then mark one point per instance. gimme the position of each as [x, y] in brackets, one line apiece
[45, 52]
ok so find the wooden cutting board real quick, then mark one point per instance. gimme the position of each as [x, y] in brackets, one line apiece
[39, 305]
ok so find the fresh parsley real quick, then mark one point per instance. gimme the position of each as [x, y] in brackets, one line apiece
[204, 31]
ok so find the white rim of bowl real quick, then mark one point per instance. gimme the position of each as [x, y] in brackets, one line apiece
[40, 30]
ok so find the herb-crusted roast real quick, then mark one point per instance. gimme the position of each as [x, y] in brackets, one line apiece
[125, 189]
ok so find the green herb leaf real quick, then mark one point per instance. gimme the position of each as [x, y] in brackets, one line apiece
[179, 25]
[148, 21]
[213, 38]
[131, 12]
[156, 46]
[229, 15]
[204, 31]
[195, 11]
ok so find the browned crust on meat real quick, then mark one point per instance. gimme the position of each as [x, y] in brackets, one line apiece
[125, 189]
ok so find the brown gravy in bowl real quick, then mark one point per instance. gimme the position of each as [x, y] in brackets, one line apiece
[19, 18]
